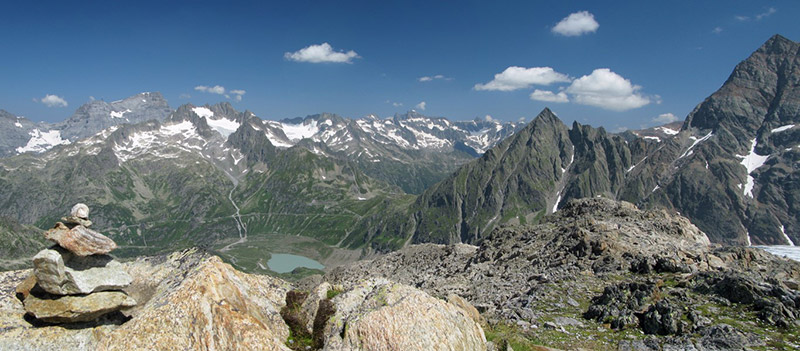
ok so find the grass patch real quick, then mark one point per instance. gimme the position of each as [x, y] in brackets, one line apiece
[299, 342]
[504, 335]
[333, 293]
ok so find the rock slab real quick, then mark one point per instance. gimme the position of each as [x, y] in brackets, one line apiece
[61, 273]
[71, 309]
[80, 240]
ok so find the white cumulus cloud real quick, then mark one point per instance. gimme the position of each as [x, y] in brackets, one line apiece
[576, 24]
[549, 96]
[321, 53]
[237, 94]
[421, 106]
[219, 90]
[665, 118]
[430, 78]
[515, 77]
[608, 90]
[759, 16]
[765, 14]
[52, 101]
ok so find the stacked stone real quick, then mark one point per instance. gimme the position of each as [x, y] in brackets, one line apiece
[75, 280]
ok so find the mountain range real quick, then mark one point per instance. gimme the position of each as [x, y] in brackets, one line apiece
[732, 167]
[337, 188]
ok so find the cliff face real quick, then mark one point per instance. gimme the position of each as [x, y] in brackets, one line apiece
[739, 182]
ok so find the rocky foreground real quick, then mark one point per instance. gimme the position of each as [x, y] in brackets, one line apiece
[601, 274]
[191, 300]
[598, 274]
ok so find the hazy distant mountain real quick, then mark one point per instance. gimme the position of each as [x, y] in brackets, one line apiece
[409, 150]
[14, 132]
[20, 135]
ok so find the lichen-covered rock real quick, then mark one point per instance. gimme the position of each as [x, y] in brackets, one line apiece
[186, 301]
[80, 240]
[382, 315]
[465, 306]
[62, 273]
[80, 308]
[212, 307]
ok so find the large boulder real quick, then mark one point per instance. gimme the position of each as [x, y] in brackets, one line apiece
[62, 273]
[210, 306]
[381, 315]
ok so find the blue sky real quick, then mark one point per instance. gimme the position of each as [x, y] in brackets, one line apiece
[659, 57]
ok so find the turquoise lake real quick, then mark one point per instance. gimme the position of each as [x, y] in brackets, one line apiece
[284, 263]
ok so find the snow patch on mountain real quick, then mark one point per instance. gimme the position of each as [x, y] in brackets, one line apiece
[119, 114]
[752, 161]
[203, 112]
[426, 140]
[158, 142]
[780, 129]
[42, 141]
[223, 126]
[297, 132]
[667, 131]
[783, 231]
[689, 151]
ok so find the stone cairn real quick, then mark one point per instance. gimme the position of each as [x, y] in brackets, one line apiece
[75, 280]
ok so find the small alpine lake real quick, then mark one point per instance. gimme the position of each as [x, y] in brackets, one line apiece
[285, 263]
